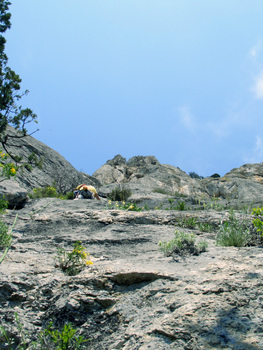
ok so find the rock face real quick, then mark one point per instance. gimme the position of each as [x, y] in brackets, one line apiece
[150, 182]
[133, 296]
[146, 174]
[243, 184]
[55, 168]
[145, 177]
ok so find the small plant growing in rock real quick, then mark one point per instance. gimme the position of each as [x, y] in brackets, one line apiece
[66, 339]
[49, 338]
[180, 205]
[183, 243]
[5, 238]
[205, 227]
[233, 232]
[73, 262]
[119, 194]
[188, 223]
[124, 206]
[44, 192]
[257, 222]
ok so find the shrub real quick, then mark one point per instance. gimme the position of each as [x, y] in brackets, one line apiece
[44, 192]
[233, 232]
[194, 175]
[124, 206]
[257, 222]
[205, 226]
[188, 223]
[73, 262]
[52, 338]
[215, 175]
[119, 194]
[49, 338]
[182, 243]
[180, 205]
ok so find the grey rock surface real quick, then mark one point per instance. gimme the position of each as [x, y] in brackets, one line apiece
[145, 177]
[133, 296]
[55, 168]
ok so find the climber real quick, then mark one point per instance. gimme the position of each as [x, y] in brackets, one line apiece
[85, 192]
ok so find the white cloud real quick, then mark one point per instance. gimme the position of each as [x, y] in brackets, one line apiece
[254, 52]
[186, 118]
[257, 87]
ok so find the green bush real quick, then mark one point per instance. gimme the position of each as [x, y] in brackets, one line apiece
[215, 175]
[65, 339]
[49, 192]
[50, 338]
[183, 243]
[44, 192]
[234, 232]
[194, 175]
[119, 194]
[73, 262]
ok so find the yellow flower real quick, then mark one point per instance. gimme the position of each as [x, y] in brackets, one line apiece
[88, 262]
[12, 170]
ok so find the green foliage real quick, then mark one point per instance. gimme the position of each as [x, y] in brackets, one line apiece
[202, 246]
[233, 232]
[49, 192]
[188, 223]
[257, 211]
[11, 113]
[215, 175]
[119, 194]
[73, 262]
[194, 175]
[65, 339]
[182, 243]
[44, 192]
[257, 222]
[179, 206]
[205, 227]
[49, 338]
[5, 238]
[193, 223]
[124, 206]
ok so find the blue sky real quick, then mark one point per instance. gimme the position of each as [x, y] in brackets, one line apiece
[180, 80]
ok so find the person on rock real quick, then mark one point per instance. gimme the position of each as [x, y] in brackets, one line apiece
[85, 192]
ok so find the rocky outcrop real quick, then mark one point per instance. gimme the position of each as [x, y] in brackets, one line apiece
[133, 296]
[149, 181]
[244, 184]
[55, 168]
[144, 175]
